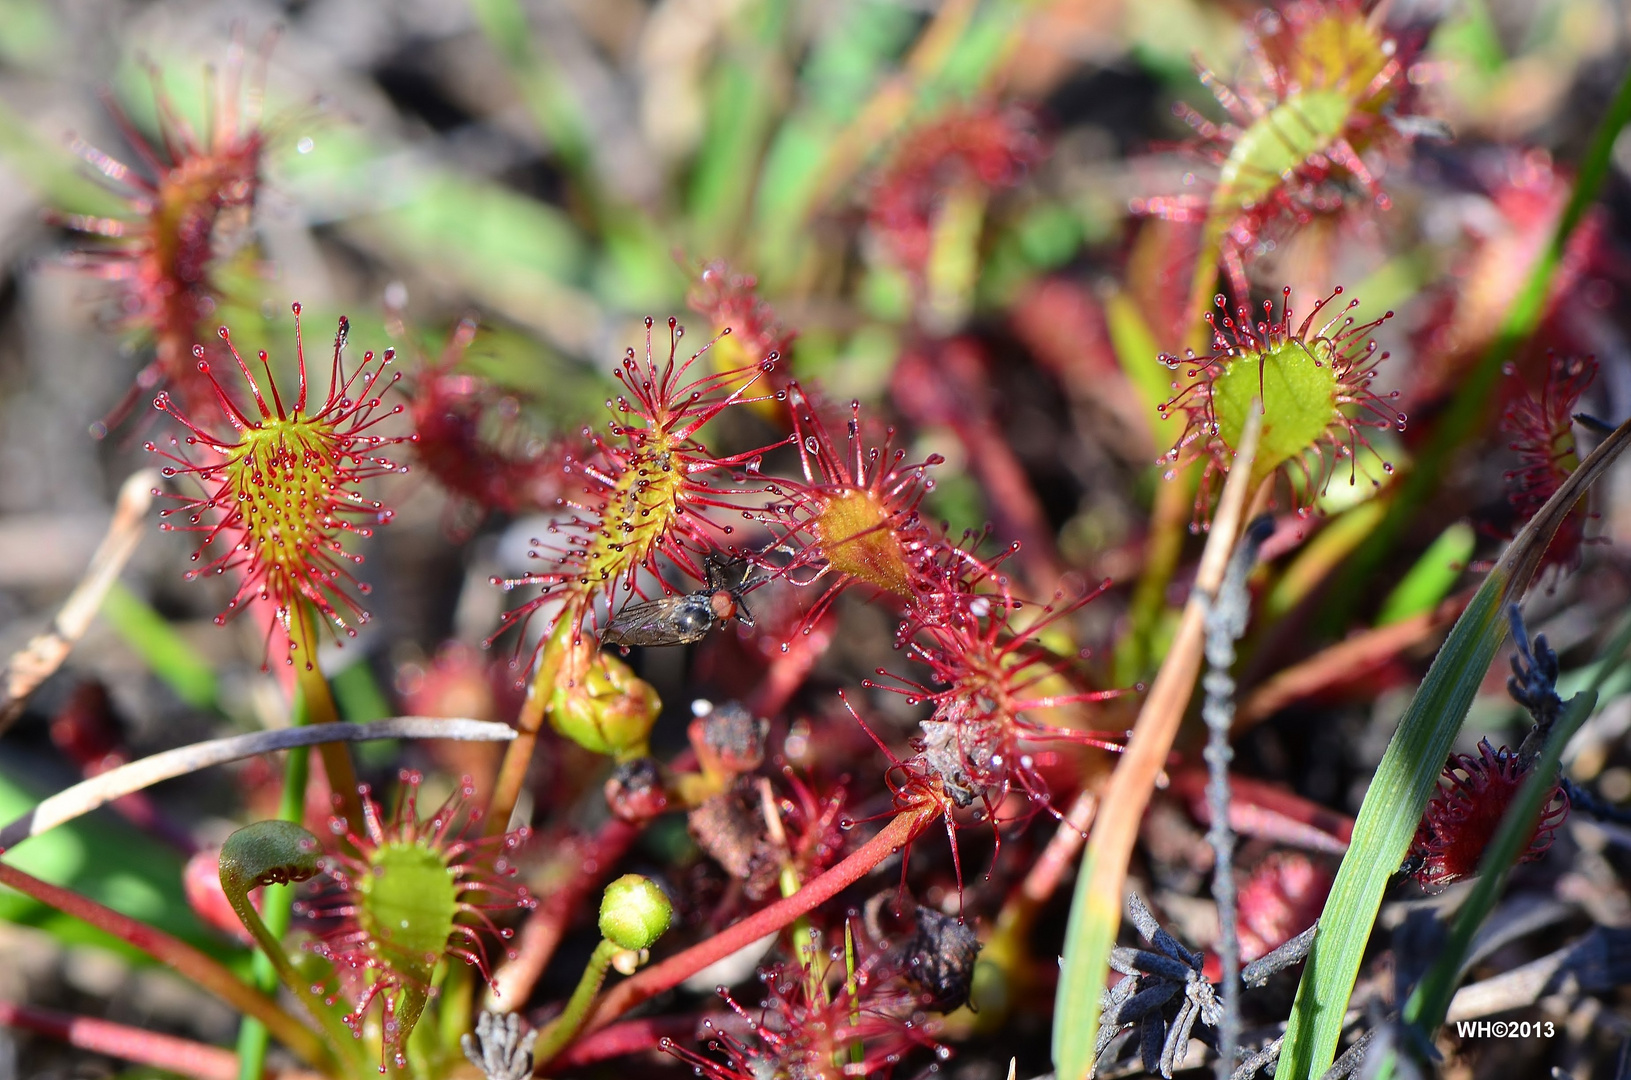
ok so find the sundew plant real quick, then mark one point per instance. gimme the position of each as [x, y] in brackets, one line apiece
[815, 539]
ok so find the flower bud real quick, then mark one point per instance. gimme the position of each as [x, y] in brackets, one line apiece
[609, 710]
[634, 791]
[729, 740]
[634, 913]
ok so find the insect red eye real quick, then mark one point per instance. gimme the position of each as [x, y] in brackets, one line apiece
[723, 604]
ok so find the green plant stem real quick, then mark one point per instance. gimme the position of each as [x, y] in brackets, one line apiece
[1428, 1003]
[239, 876]
[1095, 910]
[276, 903]
[319, 707]
[177, 955]
[512, 773]
[564, 1028]
[1463, 419]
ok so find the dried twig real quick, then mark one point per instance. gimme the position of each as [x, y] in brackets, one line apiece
[1226, 619]
[99, 790]
[44, 654]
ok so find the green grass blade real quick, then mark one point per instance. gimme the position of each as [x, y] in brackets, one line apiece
[165, 652]
[1428, 1005]
[1433, 576]
[1407, 777]
[1430, 1001]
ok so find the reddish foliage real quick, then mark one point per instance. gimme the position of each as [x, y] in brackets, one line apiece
[1542, 430]
[471, 441]
[988, 146]
[1461, 819]
[191, 208]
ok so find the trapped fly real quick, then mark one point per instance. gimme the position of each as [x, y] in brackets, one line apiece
[683, 619]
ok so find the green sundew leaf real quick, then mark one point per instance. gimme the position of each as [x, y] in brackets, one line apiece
[1408, 775]
[108, 860]
[1433, 576]
[165, 652]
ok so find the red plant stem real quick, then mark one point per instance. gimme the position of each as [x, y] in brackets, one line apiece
[541, 934]
[176, 954]
[629, 1037]
[900, 831]
[165, 1052]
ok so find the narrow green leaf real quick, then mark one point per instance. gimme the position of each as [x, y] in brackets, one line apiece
[1433, 576]
[165, 652]
[1137, 350]
[1408, 775]
[1430, 1002]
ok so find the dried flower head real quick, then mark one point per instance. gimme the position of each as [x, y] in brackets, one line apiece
[281, 487]
[1312, 384]
[188, 206]
[1164, 995]
[990, 673]
[1542, 430]
[1462, 817]
[408, 894]
[976, 149]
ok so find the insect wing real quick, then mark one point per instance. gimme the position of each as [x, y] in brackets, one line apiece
[671, 620]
